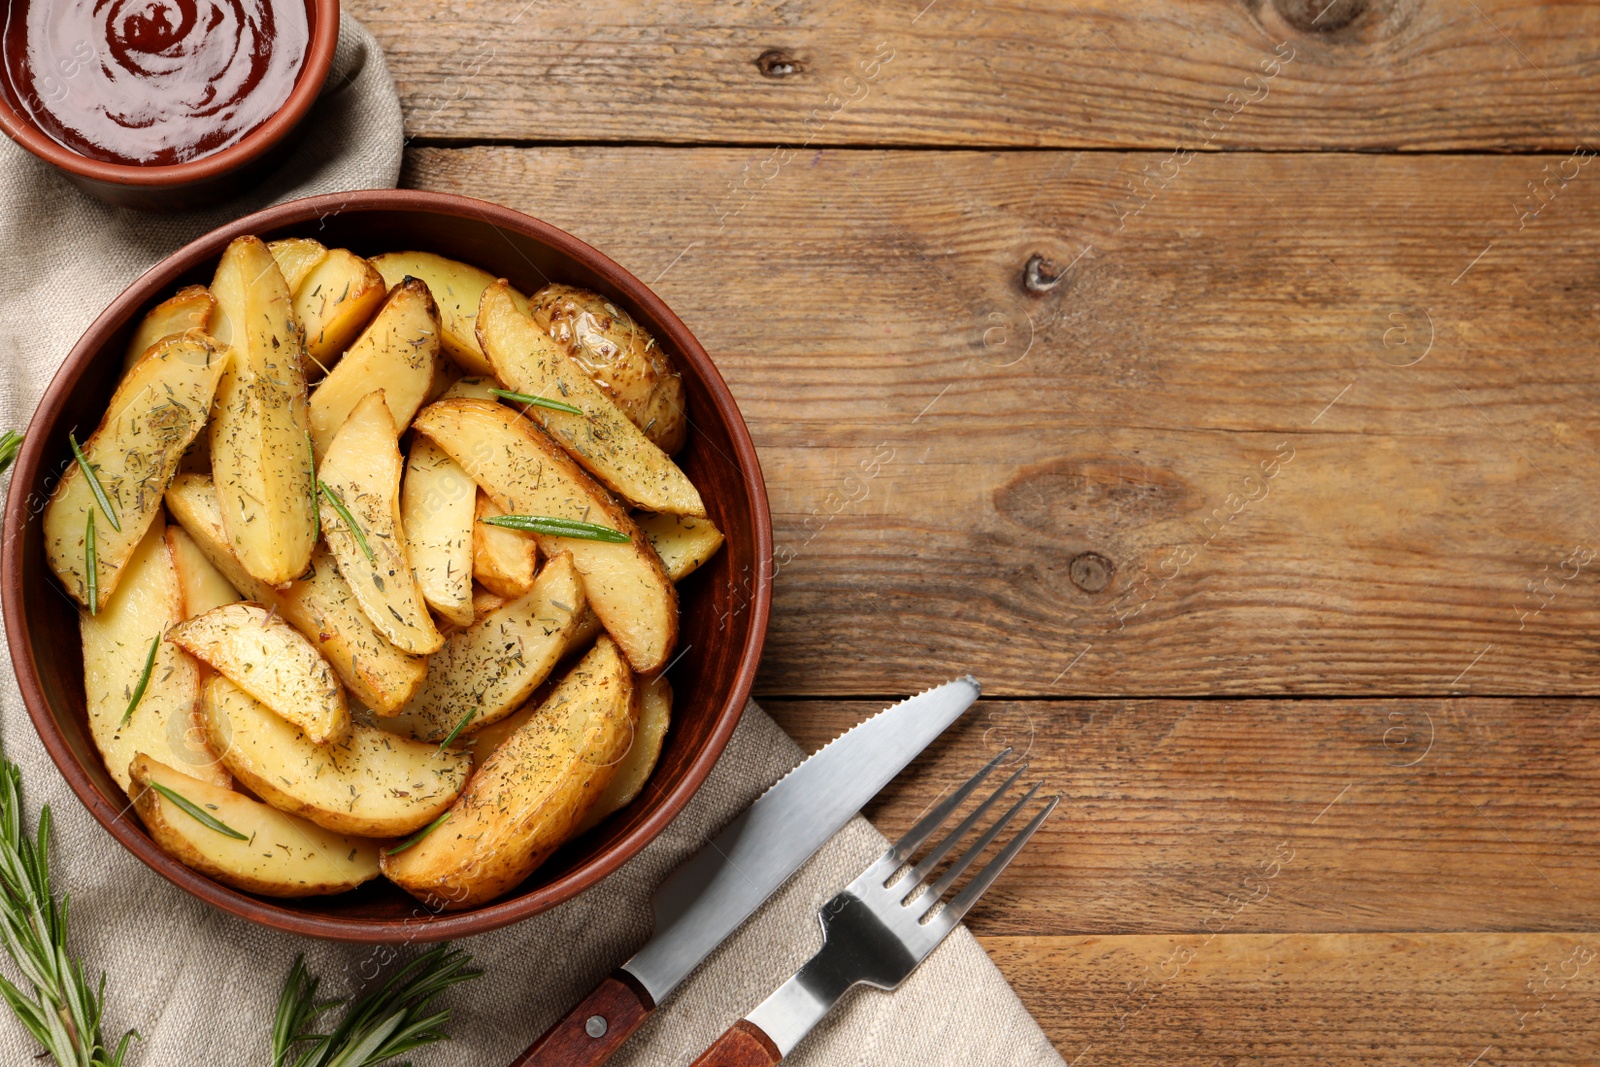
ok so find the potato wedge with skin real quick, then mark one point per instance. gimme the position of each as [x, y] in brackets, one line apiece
[297, 257]
[335, 300]
[526, 473]
[486, 671]
[157, 410]
[116, 646]
[684, 544]
[472, 389]
[602, 439]
[321, 606]
[371, 783]
[396, 351]
[203, 587]
[282, 856]
[260, 459]
[620, 357]
[633, 773]
[270, 660]
[503, 561]
[527, 799]
[458, 289]
[187, 309]
[361, 471]
[437, 501]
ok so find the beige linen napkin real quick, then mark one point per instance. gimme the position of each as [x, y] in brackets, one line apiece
[200, 986]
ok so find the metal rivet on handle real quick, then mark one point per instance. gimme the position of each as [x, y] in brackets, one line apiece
[595, 1026]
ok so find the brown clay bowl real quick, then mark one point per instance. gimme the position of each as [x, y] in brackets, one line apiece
[724, 605]
[199, 182]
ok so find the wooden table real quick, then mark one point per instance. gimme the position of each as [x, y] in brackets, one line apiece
[1216, 381]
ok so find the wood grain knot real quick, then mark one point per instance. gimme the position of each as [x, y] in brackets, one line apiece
[1320, 16]
[1090, 571]
[776, 63]
[1040, 275]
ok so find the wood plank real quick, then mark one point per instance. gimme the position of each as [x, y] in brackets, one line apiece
[1394, 74]
[1275, 815]
[1457, 1000]
[1195, 465]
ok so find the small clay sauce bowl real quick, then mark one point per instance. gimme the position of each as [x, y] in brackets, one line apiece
[724, 604]
[200, 182]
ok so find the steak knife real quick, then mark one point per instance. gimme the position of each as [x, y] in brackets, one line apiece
[713, 892]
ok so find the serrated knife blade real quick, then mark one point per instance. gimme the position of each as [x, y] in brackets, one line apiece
[712, 893]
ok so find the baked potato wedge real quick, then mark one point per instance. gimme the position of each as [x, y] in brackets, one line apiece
[503, 561]
[297, 257]
[458, 289]
[684, 544]
[602, 439]
[529, 796]
[260, 456]
[396, 352]
[273, 854]
[334, 301]
[271, 661]
[360, 483]
[437, 501]
[117, 643]
[187, 309]
[471, 388]
[156, 411]
[620, 357]
[633, 773]
[320, 605]
[202, 586]
[486, 671]
[370, 783]
[526, 473]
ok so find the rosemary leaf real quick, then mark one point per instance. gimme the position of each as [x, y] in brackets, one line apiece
[197, 813]
[63, 1011]
[536, 401]
[94, 483]
[418, 836]
[554, 527]
[455, 732]
[386, 1022]
[144, 681]
[349, 520]
[10, 445]
[91, 563]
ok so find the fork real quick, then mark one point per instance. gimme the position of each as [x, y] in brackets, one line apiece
[881, 926]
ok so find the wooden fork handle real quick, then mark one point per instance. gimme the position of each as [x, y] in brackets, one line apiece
[595, 1029]
[744, 1045]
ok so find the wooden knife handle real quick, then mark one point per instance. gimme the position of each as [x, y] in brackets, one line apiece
[595, 1029]
[744, 1045]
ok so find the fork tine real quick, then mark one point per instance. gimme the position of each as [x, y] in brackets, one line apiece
[928, 899]
[904, 848]
[954, 837]
[957, 909]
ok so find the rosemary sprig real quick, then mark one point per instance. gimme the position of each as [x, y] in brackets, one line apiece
[418, 836]
[389, 1021]
[197, 813]
[64, 1011]
[10, 445]
[551, 526]
[94, 483]
[349, 520]
[455, 731]
[144, 681]
[91, 563]
[536, 401]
